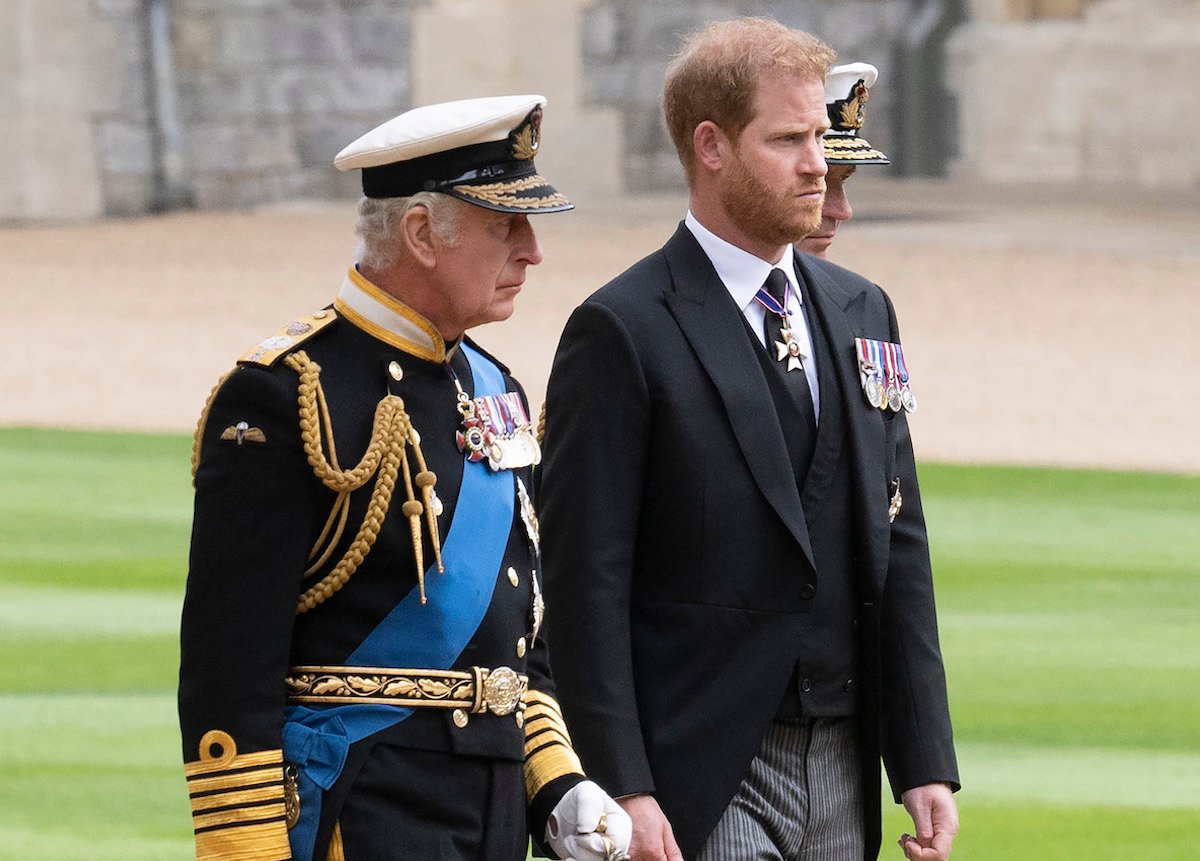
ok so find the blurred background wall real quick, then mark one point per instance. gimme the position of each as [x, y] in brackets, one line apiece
[122, 107]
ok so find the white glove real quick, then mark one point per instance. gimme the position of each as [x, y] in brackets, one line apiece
[587, 825]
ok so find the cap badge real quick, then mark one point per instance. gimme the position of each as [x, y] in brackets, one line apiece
[855, 110]
[528, 136]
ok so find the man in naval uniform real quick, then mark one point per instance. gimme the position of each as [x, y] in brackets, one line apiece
[363, 673]
[732, 529]
[847, 88]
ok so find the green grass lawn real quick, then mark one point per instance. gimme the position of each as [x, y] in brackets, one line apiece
[1067, 599]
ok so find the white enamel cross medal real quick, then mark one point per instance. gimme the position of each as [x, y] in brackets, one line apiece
[789, 348]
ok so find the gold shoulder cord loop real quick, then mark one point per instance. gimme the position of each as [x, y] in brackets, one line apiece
[198, 439]
[385, 458]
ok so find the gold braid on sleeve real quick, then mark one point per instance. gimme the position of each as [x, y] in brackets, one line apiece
[386, 457]
[198, 439]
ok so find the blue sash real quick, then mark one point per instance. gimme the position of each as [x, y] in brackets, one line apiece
[428, 636]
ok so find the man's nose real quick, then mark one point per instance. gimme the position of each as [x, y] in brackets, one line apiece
[528, 248]
[837, 205]
[812, 159]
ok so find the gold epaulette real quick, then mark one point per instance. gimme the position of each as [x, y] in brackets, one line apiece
[548, 751]
[240, 809]
[267, 351]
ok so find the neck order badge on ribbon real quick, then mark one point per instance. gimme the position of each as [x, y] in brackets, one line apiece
[787, 348]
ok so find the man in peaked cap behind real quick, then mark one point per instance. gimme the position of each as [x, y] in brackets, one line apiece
[847, 88]
[362, 672]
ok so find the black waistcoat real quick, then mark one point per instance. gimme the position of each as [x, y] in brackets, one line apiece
[823, 681]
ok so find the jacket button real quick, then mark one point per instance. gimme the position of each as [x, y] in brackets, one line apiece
[460, 718]
[848, 684]
[521, 648]
[808, 590]
[805, 685]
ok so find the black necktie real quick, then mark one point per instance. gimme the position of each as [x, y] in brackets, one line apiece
[796, 380]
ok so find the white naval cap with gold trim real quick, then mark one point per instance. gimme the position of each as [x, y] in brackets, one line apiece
[478, 150]
[847, 88]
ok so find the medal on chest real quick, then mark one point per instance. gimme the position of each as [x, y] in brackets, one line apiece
[529, 518]
[884, 375]
[496, 428]
[537, 610]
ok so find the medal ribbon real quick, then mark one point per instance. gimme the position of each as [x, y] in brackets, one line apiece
[903, 367]
[771, 303]
[864, 355]
[430, 635]
[504, 413]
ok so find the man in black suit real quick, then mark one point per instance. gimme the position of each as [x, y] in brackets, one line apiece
[732, 531]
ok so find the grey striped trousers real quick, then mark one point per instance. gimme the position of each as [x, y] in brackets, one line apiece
[801, 801]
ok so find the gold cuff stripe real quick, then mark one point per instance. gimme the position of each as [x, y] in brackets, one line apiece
[547, 765]
[539, 698]
[541, 723]
[542, 713]
[265, 841]
[240, 780]
[237, 816]
[540, 707]
[273, 792]
[246, 760]
[544, 738]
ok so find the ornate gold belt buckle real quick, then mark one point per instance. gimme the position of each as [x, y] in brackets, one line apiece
[502, 691]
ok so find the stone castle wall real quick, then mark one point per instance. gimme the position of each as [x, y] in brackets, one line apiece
[1106, 97]
[264, 92]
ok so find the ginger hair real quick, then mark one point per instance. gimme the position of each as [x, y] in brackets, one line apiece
[715, 76]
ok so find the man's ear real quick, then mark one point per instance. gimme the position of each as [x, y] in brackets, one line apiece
[710, 145]
[416, 232]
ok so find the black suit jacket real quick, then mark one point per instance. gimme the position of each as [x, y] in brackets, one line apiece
[676, 552]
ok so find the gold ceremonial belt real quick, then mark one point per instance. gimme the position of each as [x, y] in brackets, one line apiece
[499, 691]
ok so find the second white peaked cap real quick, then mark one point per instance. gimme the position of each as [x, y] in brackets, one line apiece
[847, 88]
[478, 150]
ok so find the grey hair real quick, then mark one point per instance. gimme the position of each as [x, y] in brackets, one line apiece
[379, 246]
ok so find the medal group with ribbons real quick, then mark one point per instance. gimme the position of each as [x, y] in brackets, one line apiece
[497, 428]
[884, 375]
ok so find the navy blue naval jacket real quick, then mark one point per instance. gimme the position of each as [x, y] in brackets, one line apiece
[260, 511]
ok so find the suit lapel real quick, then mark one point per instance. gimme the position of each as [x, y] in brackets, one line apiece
[840, 313]
[714, 327]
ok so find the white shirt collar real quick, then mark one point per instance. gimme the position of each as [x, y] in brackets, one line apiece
[742, 272]
[388, 319]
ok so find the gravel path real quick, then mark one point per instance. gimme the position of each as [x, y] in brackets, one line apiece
[1036, 331]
